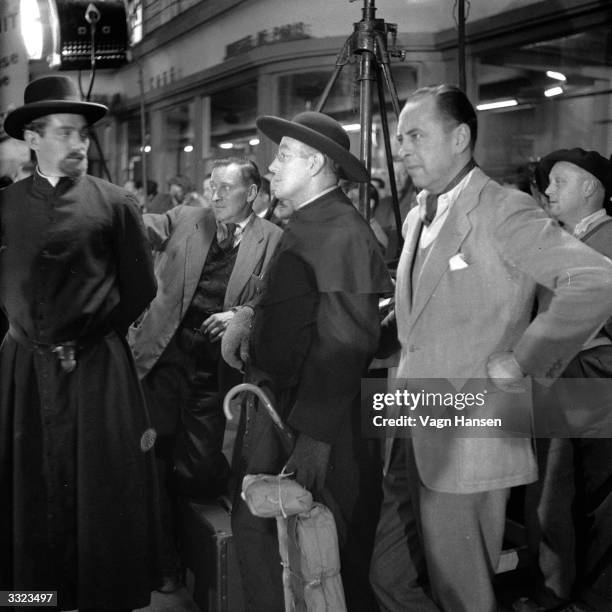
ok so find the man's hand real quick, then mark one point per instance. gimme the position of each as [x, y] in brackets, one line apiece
[308, 462]
[235, 340]
[216, 325]
[505, 373]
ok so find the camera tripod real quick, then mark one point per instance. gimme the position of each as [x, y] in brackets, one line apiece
[369, 43]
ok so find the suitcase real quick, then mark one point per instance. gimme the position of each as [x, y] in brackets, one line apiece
[209, 556]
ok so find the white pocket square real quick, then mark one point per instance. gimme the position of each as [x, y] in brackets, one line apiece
[457, 262]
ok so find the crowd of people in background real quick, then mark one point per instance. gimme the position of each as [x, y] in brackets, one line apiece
[181, 191]
[115, 363]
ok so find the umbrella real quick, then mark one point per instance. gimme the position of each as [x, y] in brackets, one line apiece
[281, 516]
[306, 530]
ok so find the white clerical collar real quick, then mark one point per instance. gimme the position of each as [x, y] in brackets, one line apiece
[587, 223]
[54, 180]
[317, 196]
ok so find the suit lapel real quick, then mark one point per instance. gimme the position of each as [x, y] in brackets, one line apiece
[197, 246]
[413, 233]
[454, 231]
[446, 244]
[246, 261]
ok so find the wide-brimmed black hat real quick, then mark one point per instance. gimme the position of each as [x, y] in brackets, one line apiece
[591, 161]
[321, 132]
[49, 95]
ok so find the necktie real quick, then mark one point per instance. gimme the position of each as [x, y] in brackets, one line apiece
[225, 235]
[431, 201]
[431, 207]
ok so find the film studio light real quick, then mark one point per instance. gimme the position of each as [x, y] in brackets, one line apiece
[64, 32]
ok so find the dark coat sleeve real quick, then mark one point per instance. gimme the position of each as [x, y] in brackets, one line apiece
[285, 320]
[137, 285]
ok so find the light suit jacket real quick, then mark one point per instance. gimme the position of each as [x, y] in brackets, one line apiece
[451, 323]
[183, 237]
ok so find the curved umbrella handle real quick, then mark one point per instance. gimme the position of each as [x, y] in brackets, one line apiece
[286, 435]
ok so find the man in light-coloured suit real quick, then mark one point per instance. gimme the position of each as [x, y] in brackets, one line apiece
[473, 256]
[210, 263]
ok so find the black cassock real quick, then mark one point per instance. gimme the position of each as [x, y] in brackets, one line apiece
[315, 332]
[77, 486]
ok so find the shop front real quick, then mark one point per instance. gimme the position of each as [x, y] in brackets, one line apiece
[195, 116]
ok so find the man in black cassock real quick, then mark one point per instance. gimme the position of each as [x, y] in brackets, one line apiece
[314, 334]
[78, 494]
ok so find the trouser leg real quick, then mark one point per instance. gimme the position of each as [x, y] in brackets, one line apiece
[356, 491]
[201, 469]
[398, 572]
[549, 522]
[160, 391]
[594, 506]
[164, 459]
[184, 406]
[462, 538]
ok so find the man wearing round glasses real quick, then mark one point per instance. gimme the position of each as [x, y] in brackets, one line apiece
[209, 263]
[314, 334]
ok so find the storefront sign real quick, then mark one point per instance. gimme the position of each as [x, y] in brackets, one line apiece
[285, 33]
[164, 78]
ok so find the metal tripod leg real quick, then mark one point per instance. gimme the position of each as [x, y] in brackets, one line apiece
[368, 41]
[389, 155]
[341, 60]
[384, 64]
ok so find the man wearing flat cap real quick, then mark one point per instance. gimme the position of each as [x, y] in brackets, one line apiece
[314, 333]
[573, 498]
[78, 494]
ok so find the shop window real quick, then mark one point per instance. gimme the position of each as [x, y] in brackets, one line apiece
[232, 121]
[179, 141]
[302, 91]
[135, 20]
[558, 95]
[135, 149]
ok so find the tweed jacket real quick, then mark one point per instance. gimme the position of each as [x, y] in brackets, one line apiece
[458, 316]
[182, 238]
